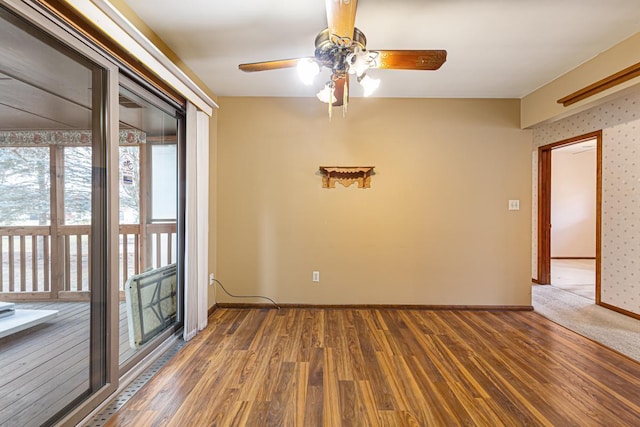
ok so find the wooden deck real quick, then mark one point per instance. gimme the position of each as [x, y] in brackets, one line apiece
[335, 367]
[43, 368]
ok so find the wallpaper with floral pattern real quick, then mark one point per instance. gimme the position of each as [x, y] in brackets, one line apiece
[619, 120]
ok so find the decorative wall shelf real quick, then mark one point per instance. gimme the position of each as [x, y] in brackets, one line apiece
[346, 175]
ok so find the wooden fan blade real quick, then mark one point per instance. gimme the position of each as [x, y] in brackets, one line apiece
[341, 18]
[339, 88]
[410, 59]
[270, 65]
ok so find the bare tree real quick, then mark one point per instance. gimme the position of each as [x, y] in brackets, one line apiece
[25, 181]
[25, 185]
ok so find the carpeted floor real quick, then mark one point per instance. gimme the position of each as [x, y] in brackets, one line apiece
[580, 314]
[575, 275]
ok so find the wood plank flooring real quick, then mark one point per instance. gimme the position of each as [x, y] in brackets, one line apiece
[348, 367]
[44, 368]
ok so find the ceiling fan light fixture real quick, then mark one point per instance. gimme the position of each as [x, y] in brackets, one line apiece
[308, 69]
[326, 95]
[342, 49]
[358, 61]
[369, 84]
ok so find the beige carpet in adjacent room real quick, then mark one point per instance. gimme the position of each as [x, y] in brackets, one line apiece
[581, 315]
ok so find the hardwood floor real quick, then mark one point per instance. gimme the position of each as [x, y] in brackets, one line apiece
[332, 367]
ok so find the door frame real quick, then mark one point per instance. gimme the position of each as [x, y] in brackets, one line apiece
[544, 206]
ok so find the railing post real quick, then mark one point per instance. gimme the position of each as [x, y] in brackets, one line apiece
[125, 257]
[145, 203]
[11, 264]
[1, 264]
[57, 219]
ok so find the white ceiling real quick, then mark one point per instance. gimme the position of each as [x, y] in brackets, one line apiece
[496, 48]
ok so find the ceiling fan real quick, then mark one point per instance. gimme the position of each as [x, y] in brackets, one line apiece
[342, 48]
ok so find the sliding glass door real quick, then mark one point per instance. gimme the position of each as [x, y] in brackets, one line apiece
[151, 132]
[91, 219]
[53, 226]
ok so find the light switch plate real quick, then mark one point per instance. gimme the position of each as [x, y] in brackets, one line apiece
[514, 205]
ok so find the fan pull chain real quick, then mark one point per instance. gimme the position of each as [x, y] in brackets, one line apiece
[345, 97]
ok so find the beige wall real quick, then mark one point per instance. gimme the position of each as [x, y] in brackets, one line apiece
[573, 203]
[433, 228]
[541, 105]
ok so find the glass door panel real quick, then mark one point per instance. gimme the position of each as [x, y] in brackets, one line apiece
[52, 226]
[149, 281]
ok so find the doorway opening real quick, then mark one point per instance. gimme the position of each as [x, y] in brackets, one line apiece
[569, 214]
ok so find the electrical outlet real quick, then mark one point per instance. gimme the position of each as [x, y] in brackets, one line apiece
[211, 279]
[315, 276]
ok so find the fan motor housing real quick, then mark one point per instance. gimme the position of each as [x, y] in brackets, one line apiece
[332, 50]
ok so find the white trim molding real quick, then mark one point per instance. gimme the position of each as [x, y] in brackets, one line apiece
[108, 19]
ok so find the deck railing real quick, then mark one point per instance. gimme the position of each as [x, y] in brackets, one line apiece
[36, 265]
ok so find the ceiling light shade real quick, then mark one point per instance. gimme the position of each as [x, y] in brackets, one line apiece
[307, 70]
[326, 95]
[358, 61]
[370, 85]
